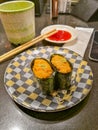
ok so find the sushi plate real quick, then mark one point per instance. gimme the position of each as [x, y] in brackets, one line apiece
[23, 89]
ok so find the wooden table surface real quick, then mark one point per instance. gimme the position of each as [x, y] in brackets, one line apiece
[83, 116]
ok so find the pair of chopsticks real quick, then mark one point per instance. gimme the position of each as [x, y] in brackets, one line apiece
[22, 47]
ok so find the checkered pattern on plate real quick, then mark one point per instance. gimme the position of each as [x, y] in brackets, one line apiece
[22, 87]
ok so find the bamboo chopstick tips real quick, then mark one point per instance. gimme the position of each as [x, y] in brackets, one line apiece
[24, 46]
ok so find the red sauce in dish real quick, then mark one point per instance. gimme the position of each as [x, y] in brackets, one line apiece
[61, 35]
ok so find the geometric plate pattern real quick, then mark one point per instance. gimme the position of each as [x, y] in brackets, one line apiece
[23, 89]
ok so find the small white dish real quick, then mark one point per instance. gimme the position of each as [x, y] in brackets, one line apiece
[69, 29]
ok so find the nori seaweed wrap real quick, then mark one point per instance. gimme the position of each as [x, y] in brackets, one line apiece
[44, 74]
[63, 69]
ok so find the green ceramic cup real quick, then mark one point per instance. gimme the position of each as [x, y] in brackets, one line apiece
[18, 19]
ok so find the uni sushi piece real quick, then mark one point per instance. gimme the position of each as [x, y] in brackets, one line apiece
[63, 69]
[44, 74]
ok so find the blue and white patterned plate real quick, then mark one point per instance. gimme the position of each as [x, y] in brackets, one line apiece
[21, 86]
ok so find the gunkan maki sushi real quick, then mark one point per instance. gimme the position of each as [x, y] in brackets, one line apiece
[44, 74]
[63, 70]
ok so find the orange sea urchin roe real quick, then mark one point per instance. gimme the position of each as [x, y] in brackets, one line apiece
[61, 64]
[42, 69]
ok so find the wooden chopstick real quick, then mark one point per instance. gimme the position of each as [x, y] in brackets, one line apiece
[26, 45]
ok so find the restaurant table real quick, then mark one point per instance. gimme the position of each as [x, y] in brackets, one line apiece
[83, 116]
